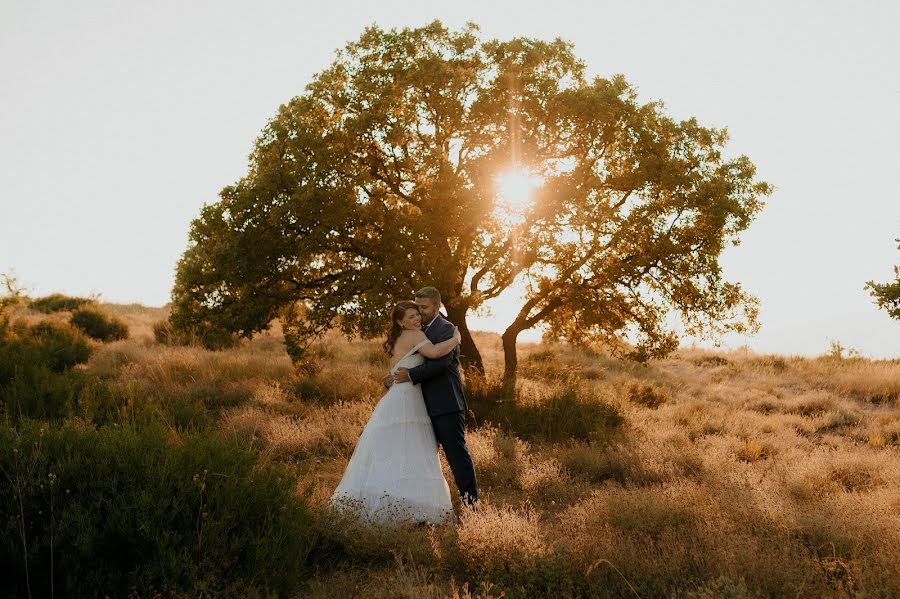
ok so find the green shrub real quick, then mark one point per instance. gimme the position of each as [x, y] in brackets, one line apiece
[37, 392]
[117, 510]
[34, 377]
[98, 325]
[57, 302]
[58, 345]
[37, 379]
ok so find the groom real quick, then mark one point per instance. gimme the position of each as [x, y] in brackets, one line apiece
[444, 399]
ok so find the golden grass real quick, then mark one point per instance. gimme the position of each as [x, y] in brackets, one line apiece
[140, 319]
[493, 538]
[731, 473]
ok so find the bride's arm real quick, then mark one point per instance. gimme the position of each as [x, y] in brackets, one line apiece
[439, 350]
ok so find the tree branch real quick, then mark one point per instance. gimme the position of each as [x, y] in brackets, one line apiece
[373, 166]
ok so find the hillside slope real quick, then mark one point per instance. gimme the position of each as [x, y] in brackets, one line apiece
[706, 474]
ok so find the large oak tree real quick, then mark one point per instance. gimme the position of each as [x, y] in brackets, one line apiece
[382, 177]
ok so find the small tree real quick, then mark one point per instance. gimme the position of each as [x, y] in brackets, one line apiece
[887, 296]
[13, 296]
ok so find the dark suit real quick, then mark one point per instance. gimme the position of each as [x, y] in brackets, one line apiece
[446, 404]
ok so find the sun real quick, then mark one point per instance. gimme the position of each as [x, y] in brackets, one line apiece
[515, 188]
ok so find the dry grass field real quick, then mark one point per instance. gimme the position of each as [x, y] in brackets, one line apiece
[704, 475]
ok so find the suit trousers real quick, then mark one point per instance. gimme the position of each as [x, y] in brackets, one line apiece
[448, 428]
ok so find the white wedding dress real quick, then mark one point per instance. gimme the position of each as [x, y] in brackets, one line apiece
[395, 475]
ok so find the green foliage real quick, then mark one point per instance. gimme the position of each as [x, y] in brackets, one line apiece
[37, 380]
[98, 325]
[57, 302]
[34, 376]
[396, 147]
[887, 295]
[58, 345]
[118, 509]
[35, 391]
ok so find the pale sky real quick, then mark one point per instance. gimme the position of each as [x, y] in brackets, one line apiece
[120, 119]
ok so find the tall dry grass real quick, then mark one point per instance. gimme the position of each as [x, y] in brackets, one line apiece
[730, 474]
[703, 475]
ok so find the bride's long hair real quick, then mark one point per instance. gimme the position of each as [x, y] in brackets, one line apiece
[397, 313]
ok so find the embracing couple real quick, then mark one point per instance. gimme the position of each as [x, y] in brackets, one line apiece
[395, 474]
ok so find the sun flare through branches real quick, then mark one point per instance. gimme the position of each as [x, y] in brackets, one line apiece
[515, 190]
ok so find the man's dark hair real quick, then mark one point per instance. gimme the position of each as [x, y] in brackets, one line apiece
[429, 292]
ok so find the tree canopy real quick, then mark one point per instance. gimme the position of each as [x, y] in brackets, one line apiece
[382, 177]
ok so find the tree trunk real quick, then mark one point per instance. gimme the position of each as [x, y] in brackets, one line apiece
[469, 356]
[510, 358]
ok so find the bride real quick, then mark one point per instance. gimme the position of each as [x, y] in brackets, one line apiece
[394, 474]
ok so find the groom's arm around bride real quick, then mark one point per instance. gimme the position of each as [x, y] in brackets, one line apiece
[440, 379]
[440, 330]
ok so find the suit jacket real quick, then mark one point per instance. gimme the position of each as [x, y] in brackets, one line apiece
[440, 380]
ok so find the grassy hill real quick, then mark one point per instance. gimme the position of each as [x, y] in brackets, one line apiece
[704, 475]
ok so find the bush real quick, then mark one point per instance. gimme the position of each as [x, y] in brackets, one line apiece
[34, 363]
[58, 345]
[37, 379]
[117, 510]
[646, 395]
[38, 392]
[57, 302]
[98, 325]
